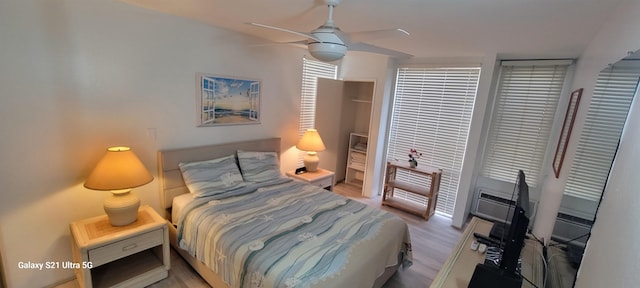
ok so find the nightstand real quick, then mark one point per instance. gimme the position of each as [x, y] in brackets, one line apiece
[321, 178]
[135, 255]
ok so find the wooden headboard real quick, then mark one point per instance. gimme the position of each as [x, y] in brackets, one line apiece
[171, 182]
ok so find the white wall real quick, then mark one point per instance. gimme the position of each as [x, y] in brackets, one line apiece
[79, 76]
[611, 257]
[611, 44]
[619, 36]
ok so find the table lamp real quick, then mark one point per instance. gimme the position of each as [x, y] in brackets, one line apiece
[119, 170]
[312, 143]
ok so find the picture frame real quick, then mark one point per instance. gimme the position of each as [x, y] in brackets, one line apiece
[565, 133]
[227, 100]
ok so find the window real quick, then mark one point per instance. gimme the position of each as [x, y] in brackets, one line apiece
[432, 112]
[522, 117]
[311, 71]
[607, 114]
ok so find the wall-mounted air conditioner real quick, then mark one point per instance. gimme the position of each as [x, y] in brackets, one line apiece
[570, 227]
[494, 205]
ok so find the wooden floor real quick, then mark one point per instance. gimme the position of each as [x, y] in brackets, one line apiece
[432, 241]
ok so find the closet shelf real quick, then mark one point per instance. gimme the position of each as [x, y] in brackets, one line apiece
[356, 159]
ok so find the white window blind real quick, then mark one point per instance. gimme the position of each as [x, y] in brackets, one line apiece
[432, 112]
[596, 148]
[522, 117]
[311, 71]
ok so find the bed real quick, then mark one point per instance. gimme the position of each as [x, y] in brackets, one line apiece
[277, 232]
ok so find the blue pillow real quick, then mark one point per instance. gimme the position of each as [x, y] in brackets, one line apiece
[211, 177]
[259, 166]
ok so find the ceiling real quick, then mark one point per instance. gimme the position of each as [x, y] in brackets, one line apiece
[439, 28]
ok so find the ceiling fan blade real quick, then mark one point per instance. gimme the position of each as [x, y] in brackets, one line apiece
[307, 35]
[378, 50]
[301, 43]
[366, 36]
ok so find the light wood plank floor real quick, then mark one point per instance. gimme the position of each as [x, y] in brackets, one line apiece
[432, 241]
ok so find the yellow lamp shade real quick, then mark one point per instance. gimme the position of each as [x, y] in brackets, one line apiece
[311, 141]
[119, 170]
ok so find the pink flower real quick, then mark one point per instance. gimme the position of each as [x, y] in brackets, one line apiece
[414, 154]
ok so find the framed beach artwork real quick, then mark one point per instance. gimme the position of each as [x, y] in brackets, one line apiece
[223, 100]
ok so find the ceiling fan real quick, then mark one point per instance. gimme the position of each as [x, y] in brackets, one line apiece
[328, 43]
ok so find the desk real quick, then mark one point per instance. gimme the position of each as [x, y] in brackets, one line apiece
[458, 269]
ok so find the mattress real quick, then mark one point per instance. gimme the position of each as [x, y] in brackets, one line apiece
[291, 234]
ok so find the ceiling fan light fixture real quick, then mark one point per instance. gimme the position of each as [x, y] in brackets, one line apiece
[328, 43]
[327, 52]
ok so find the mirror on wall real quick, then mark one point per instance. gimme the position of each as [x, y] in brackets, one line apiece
[606, 114]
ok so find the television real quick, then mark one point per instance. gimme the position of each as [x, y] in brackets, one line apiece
[506, 274]
[518, 227]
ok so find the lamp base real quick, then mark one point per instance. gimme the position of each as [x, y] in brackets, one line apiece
[311, 161]
[122, 207]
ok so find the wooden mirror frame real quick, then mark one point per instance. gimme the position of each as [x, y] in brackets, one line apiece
[565, 134]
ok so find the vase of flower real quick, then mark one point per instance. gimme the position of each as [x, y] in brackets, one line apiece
[413, 155]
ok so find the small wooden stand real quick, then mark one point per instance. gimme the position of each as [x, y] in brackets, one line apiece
[431, 192]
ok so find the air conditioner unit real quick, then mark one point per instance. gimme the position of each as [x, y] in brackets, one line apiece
[493, 205]
[570, 227]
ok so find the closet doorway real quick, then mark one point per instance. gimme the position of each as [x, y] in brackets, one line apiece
[343, 108]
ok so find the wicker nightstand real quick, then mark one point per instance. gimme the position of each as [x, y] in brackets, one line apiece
[135, 255]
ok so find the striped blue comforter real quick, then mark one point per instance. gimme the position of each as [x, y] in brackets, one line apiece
[287, 233]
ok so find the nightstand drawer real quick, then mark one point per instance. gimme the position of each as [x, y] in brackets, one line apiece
[123, 248]
[324, 182]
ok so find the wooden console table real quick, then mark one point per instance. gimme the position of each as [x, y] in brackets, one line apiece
[431, 192]
[457, 271]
